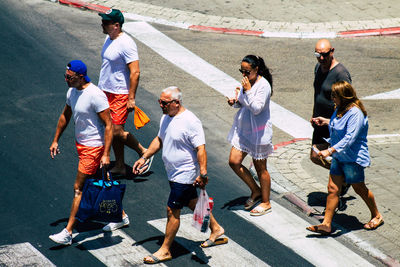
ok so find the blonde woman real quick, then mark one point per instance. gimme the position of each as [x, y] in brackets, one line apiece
[348, 129]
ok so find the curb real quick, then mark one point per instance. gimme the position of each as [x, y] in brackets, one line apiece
[82, 4]
[265, 34]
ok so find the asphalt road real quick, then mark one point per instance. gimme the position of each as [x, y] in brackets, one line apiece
[39, 38]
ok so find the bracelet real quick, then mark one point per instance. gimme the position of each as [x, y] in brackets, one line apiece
[144, 158]
[330, 151]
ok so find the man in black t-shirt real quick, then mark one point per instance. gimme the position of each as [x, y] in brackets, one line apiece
[327, 71]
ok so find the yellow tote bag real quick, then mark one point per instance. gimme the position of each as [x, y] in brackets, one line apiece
[140, 118]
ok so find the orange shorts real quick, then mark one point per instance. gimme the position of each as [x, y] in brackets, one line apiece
[89, 158]
[118, 109]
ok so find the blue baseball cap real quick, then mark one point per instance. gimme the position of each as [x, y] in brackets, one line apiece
[79, 67]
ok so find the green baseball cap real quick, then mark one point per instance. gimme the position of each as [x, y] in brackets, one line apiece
[114, 15]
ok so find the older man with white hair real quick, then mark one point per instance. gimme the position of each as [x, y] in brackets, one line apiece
[181, 137]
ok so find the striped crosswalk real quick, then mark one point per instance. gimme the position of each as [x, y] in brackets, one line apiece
[289, 229]
[22, 254]
[223, 255]
[120, 249]
[112, 248]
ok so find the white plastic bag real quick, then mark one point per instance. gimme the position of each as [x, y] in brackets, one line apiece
[201, 214]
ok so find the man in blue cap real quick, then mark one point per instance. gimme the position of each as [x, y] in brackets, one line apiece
[119, 79]
[88, 106]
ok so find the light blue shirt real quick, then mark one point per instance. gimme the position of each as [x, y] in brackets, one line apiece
[348, 136]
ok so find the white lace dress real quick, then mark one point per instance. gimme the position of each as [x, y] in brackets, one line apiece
[251, 131]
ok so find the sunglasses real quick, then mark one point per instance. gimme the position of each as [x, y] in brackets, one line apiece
[69, 77]
[318, 55]
[246, 72]
[165, 103]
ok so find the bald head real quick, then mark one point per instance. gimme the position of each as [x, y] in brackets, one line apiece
[323, 45]
[324, 53]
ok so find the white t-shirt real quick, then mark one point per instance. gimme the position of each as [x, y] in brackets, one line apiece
[180, 136]
[85, 104]
[116, 54]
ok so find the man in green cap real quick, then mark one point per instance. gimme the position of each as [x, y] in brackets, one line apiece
[119, 79]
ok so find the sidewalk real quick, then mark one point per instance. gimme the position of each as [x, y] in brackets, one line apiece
[287, 18]
[294, 176]
[291, 169]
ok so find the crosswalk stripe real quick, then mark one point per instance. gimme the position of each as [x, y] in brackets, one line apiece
[289, 229]
[223, 255]
[395, 94]
[282, 118]
[22, 254]
[112, 248]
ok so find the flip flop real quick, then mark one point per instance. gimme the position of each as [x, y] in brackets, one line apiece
[374, 223]
[258, 211]
[155, 259]
[315, 229]
[250, 203]
[219, 241]
[147, 165]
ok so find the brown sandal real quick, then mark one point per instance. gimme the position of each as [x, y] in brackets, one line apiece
[315, 229]
[374, 223]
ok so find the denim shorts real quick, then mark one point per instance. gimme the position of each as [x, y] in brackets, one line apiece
[353, 173]
[181, 195]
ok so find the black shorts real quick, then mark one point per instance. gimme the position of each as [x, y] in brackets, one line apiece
[181, 195]
[320, 132]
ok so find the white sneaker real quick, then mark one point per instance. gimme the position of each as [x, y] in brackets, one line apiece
[114, 226]
[63, 237]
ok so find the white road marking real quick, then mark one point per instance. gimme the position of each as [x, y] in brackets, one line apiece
[223, 255]
[289, 229]
[113, 248]
[138, 17]
[395, 94]
[186, 60]
[22, 254]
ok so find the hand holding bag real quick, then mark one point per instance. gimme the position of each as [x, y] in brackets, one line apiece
[201, 213]
[101, 200]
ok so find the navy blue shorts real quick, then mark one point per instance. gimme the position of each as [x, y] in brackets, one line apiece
[181, 195]
[353, 173]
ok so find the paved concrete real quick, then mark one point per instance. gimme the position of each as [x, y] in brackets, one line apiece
[292, 170]
[294, 175]
[290, 18]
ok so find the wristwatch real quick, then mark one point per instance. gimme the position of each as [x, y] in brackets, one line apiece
[203, 176]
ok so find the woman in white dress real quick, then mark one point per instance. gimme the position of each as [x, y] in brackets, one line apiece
[251, 132]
